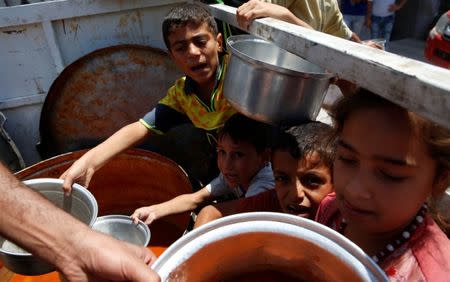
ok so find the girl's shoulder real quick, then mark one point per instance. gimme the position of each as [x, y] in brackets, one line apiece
[328, 211]
[425, 257]
[432, 250]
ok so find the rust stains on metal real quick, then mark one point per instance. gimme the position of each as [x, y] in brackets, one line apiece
[123, 21]
[101, 92]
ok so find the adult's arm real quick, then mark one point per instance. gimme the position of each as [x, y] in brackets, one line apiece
[397, 6]
[368, 21]
[255, 9]
[80, 253]
[83, 169]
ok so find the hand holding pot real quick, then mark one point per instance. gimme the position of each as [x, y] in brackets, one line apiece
[80, 171]
[103, 258]
[146, 214]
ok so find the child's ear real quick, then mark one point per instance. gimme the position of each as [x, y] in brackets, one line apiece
[169, 52]
[219, 40]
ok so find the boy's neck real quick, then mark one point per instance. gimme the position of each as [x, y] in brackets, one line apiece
[205, 90]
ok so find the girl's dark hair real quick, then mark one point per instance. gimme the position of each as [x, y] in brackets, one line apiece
[435, 137]
[189, 13]
[311, 137]
[242, 128]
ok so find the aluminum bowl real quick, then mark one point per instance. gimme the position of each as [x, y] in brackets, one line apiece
[122, 227]
[265, 246]
[81, 204]
[269, 84]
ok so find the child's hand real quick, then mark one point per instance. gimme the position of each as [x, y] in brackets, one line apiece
[146, 214]
[80, 171]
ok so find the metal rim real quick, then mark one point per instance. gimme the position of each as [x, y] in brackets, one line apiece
[340, 240]
[233, 39]
[125, 219]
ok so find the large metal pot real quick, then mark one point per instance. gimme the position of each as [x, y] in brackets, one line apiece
[272, 85]
[83, 206]
[265, 247]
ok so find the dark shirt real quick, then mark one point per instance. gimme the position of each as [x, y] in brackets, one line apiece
[347, 8]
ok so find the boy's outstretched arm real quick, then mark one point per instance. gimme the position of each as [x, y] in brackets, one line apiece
[213, 212]
[83, 169]
[180, 204]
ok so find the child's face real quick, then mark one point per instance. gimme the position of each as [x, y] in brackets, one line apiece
[195, 50]
[382, 173]
[239, 161]
[301, 184]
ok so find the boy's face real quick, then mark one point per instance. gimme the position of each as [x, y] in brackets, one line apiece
[195, 50]
[239, 161]
[301, 184]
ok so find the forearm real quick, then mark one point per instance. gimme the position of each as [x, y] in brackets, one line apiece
[127, 137]
[355, 38]
[291, 18]
[207, 214]
[369, 9]
[400, 4]
[26, 220]
[179, 204]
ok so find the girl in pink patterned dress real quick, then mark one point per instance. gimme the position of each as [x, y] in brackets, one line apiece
[390, 166]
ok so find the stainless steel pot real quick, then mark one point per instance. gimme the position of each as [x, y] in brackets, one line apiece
[122, 228]
[83, 206]
[272, 85]
[265, 247]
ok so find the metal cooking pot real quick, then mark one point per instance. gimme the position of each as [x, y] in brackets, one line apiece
[265, 246]
[272, 85]
[122, 228]
[83, 206]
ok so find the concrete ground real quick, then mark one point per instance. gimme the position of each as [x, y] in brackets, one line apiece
[408, 47]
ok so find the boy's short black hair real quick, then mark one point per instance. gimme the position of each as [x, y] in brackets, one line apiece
[242, 128]
[189, 13]
[311, 137]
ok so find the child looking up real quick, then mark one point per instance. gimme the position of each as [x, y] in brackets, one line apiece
[243, 159]
[302, 160]
[191, 36]
[389, 164]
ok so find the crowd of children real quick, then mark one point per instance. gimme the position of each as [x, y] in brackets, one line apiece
[384, 163]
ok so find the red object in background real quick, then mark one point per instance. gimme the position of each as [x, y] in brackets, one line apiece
[437, 48]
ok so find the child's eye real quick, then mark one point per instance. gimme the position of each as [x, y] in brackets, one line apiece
[200, 42]
[347, 160]
[312, 181]
[239, 154]
[390, 177]
[281, 178]
[179, 48]
[220, 151]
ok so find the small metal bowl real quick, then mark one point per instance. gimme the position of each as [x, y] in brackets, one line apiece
[81, 204]
[122, 228]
